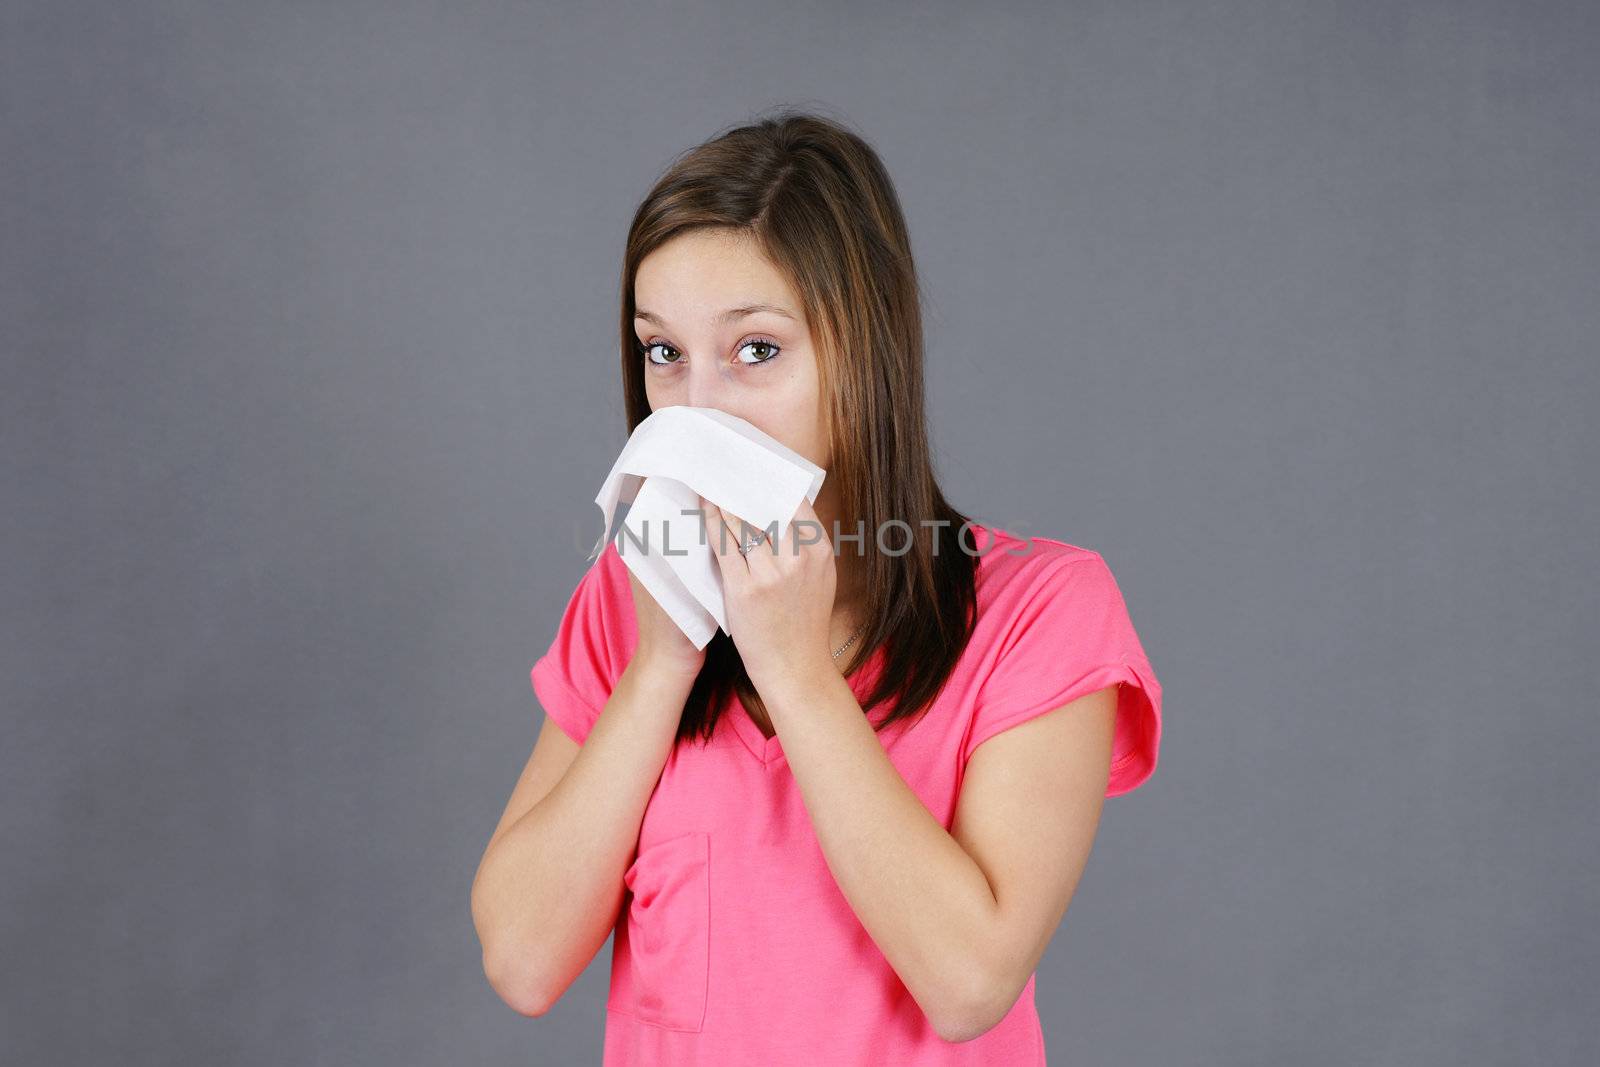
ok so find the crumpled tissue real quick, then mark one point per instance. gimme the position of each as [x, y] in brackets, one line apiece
[674, 457]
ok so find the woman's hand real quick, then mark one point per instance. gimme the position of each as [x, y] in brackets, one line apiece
[778, 598]
[662, 646]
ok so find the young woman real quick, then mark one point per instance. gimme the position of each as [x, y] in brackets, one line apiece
[846, 834]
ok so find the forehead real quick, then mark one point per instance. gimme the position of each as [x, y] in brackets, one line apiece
[702, 275]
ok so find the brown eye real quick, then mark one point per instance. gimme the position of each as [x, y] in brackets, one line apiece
[647, 350]
[769, 351]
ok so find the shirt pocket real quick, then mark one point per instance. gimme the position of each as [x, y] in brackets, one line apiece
[668, 933]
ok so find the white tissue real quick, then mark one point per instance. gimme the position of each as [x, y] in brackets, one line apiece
[674, 457]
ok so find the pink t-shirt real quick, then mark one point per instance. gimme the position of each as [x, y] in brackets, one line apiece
[734, 945]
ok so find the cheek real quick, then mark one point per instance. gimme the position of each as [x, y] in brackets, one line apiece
[805, 421]
[659, 394]
[801, 431]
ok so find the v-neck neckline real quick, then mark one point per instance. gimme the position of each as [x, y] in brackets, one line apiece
[768, 751]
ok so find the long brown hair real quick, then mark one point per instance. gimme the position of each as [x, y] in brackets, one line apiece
[819, 204]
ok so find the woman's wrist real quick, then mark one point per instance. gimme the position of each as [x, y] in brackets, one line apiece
[656, 671]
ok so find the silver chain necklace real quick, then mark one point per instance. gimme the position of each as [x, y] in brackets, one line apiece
[850, 642]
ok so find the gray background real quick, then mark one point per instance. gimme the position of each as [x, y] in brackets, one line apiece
[1288, 309]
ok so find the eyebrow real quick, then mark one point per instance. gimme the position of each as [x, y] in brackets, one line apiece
[727, 316]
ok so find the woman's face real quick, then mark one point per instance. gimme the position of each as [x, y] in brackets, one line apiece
[721, 328]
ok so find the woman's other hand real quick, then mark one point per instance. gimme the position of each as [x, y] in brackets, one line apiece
[662, 646]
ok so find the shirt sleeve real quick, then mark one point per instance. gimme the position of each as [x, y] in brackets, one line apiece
[1073, 636]
[574, 678]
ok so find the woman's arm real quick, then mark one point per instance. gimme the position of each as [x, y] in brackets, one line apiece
[963, 916]
[549, 886]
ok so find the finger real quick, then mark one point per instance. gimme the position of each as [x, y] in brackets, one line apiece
[804, 531]
[744, 533]
[724, 542]
[761, 541]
